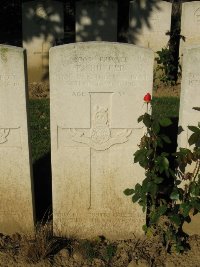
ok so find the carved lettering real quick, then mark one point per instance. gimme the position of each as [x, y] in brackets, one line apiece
[78, 94]
[194, 79]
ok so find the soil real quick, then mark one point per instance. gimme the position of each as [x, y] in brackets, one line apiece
[38, 90]
[48, 251]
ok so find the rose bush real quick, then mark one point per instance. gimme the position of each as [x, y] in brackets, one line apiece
[161, 195]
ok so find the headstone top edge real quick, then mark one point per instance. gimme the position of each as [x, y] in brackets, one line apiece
[11, 47]
[189, 3]
[156, 2]
[99, 43]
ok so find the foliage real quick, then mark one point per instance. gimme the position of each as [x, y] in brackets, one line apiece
[169, 194]
[165, 66]
[168, 67]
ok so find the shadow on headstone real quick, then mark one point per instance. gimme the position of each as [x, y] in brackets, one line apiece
[140, 12]
[96, 20]
[43, 188]
[42, 28]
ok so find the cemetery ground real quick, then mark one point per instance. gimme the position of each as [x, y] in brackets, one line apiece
[45, 250]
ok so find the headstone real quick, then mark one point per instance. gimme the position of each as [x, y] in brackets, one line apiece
[190, 95]
[96, 20]
[190, 25]
[43, 26]
[190, 98]
[149, 23]
[16, 201]
[97, 91]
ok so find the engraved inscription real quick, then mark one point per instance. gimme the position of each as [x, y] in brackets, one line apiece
[194, 79]
[100, 135]
[3, 135]
[197, 16]
[78, 94]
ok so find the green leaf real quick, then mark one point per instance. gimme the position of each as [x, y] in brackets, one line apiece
[194, 129]
[185, 208]
[158, 180]
[140, 155]
[144, 228]
[154, 217]
[176, 219]
[196, 108]
[155, 127]
[166, 139]
[140, 118]
[138, 188]
[135, 198]
[174, 195]
[164, 122]
[153, 189]
[162, 209]
[129, 192]
[194, 138]
[147, 120]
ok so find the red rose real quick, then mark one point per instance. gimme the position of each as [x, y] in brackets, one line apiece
[147, 98]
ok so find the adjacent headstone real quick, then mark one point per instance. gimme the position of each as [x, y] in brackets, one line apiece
[149, 23]
[43, 26]
[96, 20]
[97, 91]
[190, 98]
[16, 201]
[190, 95]
[190, 25]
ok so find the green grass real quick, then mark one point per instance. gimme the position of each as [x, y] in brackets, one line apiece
[165, 107]
[39, 127]
[40, 121]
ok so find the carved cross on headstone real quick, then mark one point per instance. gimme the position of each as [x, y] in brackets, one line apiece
[100, 136]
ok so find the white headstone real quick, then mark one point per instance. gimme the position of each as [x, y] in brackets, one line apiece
[96, 20]
[43, 24]
[97, 91]
[16, 203]
[190, 24]
[190, 95]
[149, 24]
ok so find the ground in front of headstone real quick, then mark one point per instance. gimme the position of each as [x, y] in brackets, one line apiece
[46, 251]
[38, 90]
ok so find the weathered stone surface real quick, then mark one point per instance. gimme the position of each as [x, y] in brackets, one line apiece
[149, 23]
[97, 91]
[43, 26]
[96, 20]
[16, 204]
[190, 95]
[190, 24]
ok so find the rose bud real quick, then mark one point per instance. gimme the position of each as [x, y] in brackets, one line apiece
[147, 98]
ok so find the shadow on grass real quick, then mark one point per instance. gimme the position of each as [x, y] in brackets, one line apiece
[43, 188]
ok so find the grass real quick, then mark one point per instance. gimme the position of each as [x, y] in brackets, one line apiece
[165, 107]
[40, 121]
[39, 116]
